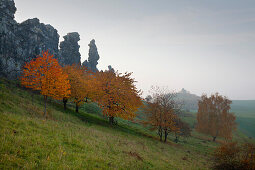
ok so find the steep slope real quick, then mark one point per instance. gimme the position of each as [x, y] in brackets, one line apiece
[70, 140]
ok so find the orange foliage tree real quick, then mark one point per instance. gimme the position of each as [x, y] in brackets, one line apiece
[82, 84]
[44, 74]
[117, 95]
[161, 112]
[214, 118]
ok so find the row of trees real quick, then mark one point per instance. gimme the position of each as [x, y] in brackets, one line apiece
[118, 96]
[114, 92]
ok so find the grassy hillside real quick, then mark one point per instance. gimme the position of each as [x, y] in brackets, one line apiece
[68, 140]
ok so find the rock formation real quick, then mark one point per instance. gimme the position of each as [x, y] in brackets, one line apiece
[35, 37]
[8, 41]
[110, 68]
[19, 43]
[69, 49]
[91, 64]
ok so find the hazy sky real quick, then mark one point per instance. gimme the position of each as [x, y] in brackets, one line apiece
[204, 46]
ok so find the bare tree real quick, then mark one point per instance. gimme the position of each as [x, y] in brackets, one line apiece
[161, 112]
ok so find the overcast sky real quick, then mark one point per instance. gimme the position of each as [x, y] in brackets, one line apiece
[204, 46]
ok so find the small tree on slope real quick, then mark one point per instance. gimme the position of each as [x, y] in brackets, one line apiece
[161, 112]
[117, 95]
[214, 118]
[44, 74]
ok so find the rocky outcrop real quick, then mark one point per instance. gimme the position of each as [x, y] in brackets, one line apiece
[8, 40]
[20, 43]
[92, 62]
[69, 49]
[110, 68]
[35, 37]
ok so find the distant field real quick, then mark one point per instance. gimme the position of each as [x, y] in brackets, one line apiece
[243, 107]
[245, 112]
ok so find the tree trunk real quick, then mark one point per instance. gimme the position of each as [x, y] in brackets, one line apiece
[65, 105]
[160, 133]
[111, 120]
[165, 135]
[77, 108]
[45, 106]
[214, 138]
[64, 101]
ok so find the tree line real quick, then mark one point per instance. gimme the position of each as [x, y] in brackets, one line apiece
[115, 93]
[117, 96]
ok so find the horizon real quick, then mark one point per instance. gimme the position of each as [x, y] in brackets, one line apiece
[166, 43]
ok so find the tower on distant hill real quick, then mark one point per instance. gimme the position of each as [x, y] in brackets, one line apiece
[184, 91]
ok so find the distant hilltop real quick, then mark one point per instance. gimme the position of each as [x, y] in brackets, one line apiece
[189, 100]
[21, 42]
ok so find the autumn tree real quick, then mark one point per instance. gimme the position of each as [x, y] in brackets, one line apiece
[44, 74]
[82, 84]
[214, 117]
[161, 112]
[117, 95]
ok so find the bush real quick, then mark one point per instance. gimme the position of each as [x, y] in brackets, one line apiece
[232, 156]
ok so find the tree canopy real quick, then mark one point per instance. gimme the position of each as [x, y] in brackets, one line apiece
[161, 112]
[44, 74]
[117, 95]
[214, 117]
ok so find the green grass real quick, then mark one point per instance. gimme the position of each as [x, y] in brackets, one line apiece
[70, 140]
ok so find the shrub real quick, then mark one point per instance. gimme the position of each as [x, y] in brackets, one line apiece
[233, 156]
